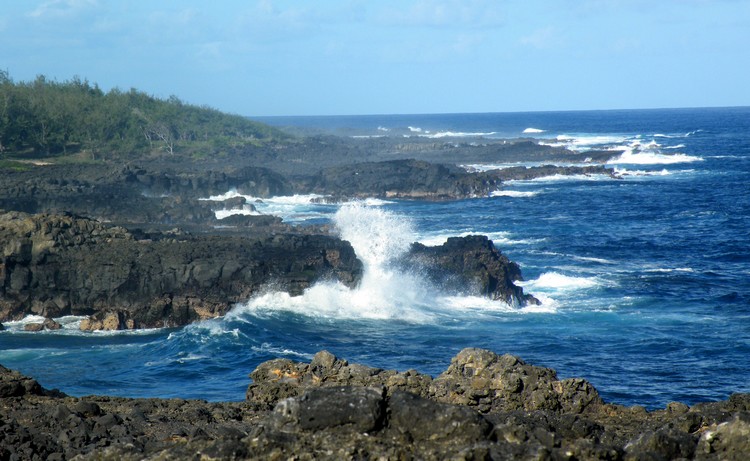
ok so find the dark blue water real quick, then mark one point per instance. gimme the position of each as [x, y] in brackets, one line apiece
[645, 281]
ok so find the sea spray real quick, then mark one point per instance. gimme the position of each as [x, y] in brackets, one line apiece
[379, 239]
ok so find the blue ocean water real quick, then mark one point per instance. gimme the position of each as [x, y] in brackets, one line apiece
[645, 281]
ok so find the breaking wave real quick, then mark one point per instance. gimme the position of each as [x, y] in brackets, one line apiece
[386, 292]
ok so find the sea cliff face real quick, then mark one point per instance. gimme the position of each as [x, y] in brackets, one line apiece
[483, 406]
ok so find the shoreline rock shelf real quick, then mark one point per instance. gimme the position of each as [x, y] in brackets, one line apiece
[60, 264]
[483, 406]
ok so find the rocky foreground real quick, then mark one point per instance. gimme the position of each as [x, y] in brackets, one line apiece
[484, 406]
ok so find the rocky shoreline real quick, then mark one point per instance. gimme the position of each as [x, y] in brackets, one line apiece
[57, 265]
[139, 245]
[483, 406]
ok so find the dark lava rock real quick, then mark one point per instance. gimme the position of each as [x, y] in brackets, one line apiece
[411, 179]
[56, 265]
[469, 265]
[330, 409]
[475, 378]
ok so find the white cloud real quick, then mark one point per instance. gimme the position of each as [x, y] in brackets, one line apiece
[543, 38]
[61, 8]
[444, 13]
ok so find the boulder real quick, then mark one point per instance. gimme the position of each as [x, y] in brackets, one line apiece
[469, 265]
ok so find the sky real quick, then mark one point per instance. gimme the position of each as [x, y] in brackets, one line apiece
[326, 57]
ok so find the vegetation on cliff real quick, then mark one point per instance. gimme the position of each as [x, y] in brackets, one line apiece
[45, 118]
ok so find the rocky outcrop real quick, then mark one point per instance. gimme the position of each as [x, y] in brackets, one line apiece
[411, 179]
[476, 378]
[330, 409]
[469, 265]
[421, 180]
[523, 173]
[54, 265]
[131, 194]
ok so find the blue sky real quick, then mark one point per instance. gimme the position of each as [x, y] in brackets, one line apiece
[266, 57]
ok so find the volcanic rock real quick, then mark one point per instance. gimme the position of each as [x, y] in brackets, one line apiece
[469, 265]
[56, 265]
[333, 410]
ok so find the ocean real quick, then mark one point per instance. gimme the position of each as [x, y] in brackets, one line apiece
[644, 280]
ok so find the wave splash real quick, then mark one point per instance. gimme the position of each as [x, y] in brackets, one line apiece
[379, 238]
[386, 292]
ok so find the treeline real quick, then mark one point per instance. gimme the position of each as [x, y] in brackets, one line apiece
[50, 118]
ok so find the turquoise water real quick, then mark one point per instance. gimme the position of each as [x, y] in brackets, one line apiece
[644, 280]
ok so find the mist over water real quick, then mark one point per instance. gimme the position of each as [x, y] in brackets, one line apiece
[643, 279]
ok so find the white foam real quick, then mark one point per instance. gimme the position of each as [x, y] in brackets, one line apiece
[497, 237]
[585, 142]
[69, 323]
[457, 134]
[370, 201]
[415, 129]
[670, 270]
[533, 131]
[267, 348]
[231, 193]
[513, 193]
[379, 238]
[633, 157]
[625, 172]
[563, 177]
[244, 211]
[558, 281]
[299, 207]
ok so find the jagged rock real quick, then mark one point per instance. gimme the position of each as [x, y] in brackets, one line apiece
[47, 324]
[360, 408]
[476, 378]
[728, 440]
[14, 384]
[469, 265]
[326, 419]
[412, 179]
[55, 265]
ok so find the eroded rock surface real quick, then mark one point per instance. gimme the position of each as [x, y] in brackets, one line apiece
[55, 265]
[330, 409]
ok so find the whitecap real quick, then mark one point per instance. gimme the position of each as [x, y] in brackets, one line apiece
[584, 142]
[457, 134]
[267, 348]
[625, 172]
[244, 211]
[533, 130]
[497, 237]
[513, 193]
[558, 281]
[670, 270]
[631, 157]
[563, 177]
